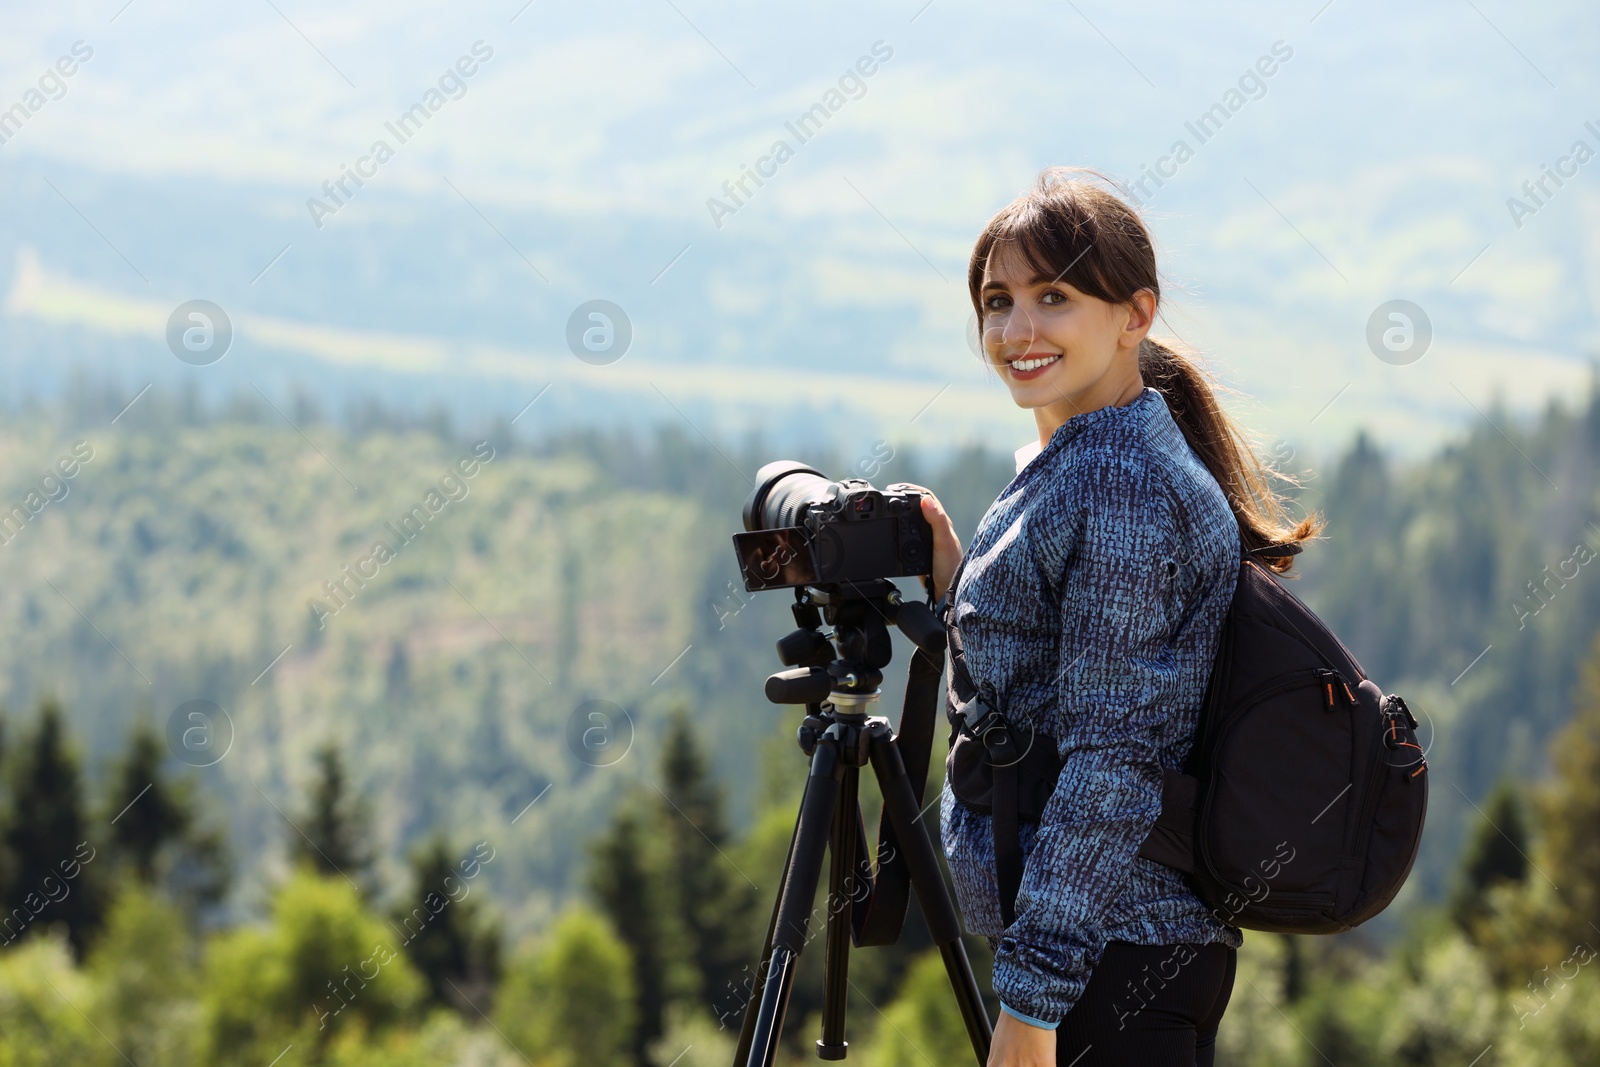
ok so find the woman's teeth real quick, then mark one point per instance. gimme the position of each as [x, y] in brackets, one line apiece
[1033, 364]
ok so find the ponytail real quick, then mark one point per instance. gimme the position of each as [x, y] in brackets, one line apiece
[1221, 443]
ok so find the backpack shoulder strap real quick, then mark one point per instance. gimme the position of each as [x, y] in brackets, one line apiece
[1171, 838]
[989, 729]
[1284, 548]
[964, 687]
[968, 709]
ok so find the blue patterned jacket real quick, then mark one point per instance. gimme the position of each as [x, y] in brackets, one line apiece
[1091, 606]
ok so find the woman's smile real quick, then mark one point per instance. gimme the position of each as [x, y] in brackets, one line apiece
[1026, 368]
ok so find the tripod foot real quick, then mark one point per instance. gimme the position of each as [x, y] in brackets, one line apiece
[832, 1052]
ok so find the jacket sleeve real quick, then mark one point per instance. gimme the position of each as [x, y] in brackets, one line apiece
[1114, 549]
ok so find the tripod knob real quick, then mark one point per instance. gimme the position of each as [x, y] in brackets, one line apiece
[804, 648]
[800, 685]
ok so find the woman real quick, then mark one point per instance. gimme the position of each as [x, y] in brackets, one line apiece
[1090, 605]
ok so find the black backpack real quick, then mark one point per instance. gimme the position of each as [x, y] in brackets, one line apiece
[1300, 806]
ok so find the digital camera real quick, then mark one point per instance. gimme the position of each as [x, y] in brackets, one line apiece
[803, 529]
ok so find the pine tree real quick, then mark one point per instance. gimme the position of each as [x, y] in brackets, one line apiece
[332, 835]
[156, 832]
[448, 937]
[53, 876]
[1534, 924]
[713, 900]
[626, 878]
[1569, 816]
[1497, 853]
[7, 868]
[146, 813]
[1294, 969]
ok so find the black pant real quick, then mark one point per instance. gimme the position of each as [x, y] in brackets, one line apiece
[1150, 1005]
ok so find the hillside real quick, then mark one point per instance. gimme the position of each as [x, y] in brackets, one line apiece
[187, 556]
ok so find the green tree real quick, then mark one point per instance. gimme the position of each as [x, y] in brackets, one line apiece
[1569, 815]
[1559, 1026]
[695, 1039]
[1529, 926]
[7, 865]
[325, 965]
[922, 1027]
[43, 998]
[1496, 854]
[449, 938]
[144, 964]
[713, 900]
[442, 1038]
[46, 836]
[570, 999]
[1256, 1029]
[1440, 1005]
[627, 878]
[333, 835]
[156, 831]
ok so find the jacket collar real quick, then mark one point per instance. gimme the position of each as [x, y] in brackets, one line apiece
[1146, 415]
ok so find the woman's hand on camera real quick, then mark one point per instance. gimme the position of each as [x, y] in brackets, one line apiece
[946, 545]
[1019, 1044]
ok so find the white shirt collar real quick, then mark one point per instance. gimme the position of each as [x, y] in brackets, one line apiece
[1025, 454]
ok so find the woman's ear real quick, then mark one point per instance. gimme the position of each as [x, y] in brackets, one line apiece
[1141, 316]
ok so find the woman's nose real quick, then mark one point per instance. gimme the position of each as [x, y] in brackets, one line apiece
[1018, 332]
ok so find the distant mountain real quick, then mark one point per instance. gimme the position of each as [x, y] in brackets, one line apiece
[1311, 176]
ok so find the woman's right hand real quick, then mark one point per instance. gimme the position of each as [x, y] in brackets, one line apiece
[1019, 1044]
[946, 545]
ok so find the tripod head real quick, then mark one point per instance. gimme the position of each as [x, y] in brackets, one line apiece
[846, 665]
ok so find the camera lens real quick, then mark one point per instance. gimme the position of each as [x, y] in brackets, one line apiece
[783, 489]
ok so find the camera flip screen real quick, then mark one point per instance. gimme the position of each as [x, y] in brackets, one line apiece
[775, 559]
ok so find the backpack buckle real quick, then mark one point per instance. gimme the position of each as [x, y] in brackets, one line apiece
[994, 733]
[982, 725]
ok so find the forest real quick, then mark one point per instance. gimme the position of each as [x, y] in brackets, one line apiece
[401, 840]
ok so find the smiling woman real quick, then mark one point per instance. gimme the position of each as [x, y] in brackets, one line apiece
[1089, 609]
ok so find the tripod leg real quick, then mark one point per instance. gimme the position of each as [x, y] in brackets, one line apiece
[944, 926]
[791, 913]
[841, 893]
[748, 1025]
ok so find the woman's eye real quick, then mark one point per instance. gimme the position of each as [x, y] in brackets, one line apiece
[995, 303]
[1060, 297]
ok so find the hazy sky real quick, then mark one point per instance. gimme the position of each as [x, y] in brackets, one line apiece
[1374, 163]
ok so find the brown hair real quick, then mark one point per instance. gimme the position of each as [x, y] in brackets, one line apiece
[1072, 229]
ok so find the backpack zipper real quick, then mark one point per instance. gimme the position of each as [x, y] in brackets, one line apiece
[1369, 802]
[1330, 681]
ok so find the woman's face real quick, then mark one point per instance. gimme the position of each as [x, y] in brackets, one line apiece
[1054, 345]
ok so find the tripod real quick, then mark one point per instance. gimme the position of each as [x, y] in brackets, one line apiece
[841, 738]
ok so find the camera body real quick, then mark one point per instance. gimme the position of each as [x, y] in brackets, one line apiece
[803, 529]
